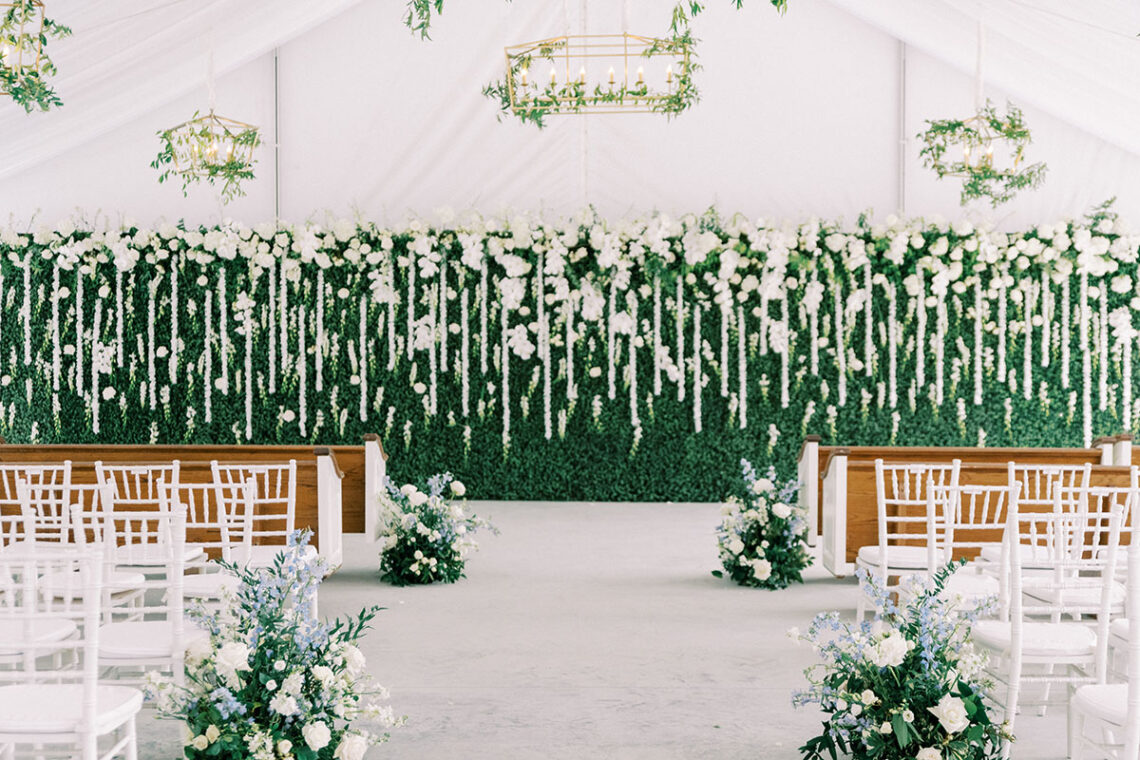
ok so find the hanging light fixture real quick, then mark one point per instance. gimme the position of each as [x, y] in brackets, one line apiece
[210, 149]
[985, 150]
[24, 64]
[597, 73]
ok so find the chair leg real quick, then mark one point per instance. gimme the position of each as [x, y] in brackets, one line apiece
[132, 748]
[1076, 733]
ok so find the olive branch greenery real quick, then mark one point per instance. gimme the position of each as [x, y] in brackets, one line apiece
[974, 137]
[28, 85]
[208, 149]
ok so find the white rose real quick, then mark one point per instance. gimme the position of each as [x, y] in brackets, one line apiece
[951, 713]
[232, 657]
[323, 674]
[200, 742]
[762, 569]
[284, 747]
[283, 704]
[351, 747]
[212, 733]
[316, 735]
[868, 697]
[408, 489]
[736, 546]
[762, 485]
[417, 498]
[458, 488]
[782, 511]
[293, 684]
[198, 650]
[890, 652]
[353, 659]
[928, 753]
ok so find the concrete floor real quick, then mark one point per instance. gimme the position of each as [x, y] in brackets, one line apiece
[591, 631]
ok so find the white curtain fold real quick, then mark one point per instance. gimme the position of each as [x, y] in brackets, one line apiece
[129, 57]
[1079, 62]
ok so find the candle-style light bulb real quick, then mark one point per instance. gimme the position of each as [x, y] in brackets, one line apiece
[641, 75]
[553, 77]
[582, 75]
[669, 74]
[611, 75]
[966, 154]
[989, 155]
[525, 75]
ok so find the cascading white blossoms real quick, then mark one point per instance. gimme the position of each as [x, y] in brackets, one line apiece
[166, 331]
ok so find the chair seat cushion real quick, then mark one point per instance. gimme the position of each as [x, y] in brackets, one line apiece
[151, 555]
[1108, 702]
[1118, 631]
[908, 557]
[57, 708]
[265, 556]
[1038, 639]
[43, 631]
[118, 581]
[150, 639]
[208, 585]
[1033, 557]
[1085, 597]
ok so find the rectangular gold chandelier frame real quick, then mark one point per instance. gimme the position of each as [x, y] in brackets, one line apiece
[21, 49]
[983, 159]
[210, 141]
[624, 88]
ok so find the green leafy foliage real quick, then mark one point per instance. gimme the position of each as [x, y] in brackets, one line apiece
[968, 140]
[761, 538]
[25, 67]
[913, 686]
[211, 150]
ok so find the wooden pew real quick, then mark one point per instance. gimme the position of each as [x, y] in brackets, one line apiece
[853, 515]
[334, 484]
[814, 460]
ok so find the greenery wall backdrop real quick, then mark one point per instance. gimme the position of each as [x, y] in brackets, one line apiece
[582, 359]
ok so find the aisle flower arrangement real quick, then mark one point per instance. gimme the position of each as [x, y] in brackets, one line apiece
[911, 686]
[426, 532]
[272, 682]
[762, 533]
[581, 358]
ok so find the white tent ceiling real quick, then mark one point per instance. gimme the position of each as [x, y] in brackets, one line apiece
[800, 115]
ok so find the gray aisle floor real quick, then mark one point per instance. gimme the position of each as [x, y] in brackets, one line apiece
[591, 631]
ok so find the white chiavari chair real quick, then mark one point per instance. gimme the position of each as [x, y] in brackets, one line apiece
[218, 531]
[1043, 488]
[80, 506]
[908, 523]
[137, 487]
[1113, 710]
[130, 643]
[274, 505]
[1036, 643]
[52, 480]
[46, 706]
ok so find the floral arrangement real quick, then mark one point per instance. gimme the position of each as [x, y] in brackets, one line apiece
[762, 535]
[272, 682]
[512, 350]
[25, 67]
[909, 686]
[210, 149]
[426, 533]
[975, 138]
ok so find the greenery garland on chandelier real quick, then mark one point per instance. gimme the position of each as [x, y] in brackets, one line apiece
[583, 358]
[25, 66]
[518, 94]
[211, 149]
[965, 148]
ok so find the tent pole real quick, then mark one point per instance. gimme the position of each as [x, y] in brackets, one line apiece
[902, 130]
[276, 140]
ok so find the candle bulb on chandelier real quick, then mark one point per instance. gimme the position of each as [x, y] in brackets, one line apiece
[582, 75]
[611, 76]
[989, 155]
[553, 77]
[966, 154]
[641, 75]
[669, 74]
[525, 74]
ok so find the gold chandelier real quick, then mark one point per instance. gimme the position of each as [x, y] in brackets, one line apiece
[600, 73]
[21, 34]
[209, 148]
